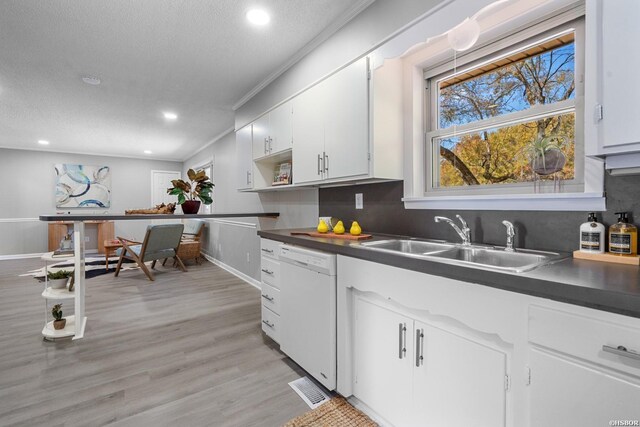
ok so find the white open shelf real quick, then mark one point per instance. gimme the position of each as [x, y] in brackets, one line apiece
[58, 294]
[69, 329]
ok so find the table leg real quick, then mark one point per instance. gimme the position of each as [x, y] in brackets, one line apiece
[79, 267]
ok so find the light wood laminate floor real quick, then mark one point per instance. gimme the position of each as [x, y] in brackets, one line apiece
[184, 350]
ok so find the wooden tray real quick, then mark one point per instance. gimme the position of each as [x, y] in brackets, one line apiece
[345, 236]
[617, 259]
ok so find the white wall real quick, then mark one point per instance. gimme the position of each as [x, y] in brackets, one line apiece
[28, 187]
[234, 241]
[373, 25]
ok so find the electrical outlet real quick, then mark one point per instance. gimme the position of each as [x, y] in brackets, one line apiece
[248, 257]
[359, 201]
[219, 248]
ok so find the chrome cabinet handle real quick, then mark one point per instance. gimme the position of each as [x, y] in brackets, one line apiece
[325, 162]
[266, 141]
[621, 351]
[264, 270]
[402, 338]
[419, 347]
[319, 170]
[267, 297]
[248, 177]
[270, 147]
[271, 325]
[269, 251]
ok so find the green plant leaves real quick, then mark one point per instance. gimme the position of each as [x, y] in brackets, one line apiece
[200, 187]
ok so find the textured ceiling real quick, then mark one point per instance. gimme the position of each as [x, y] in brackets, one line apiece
[194, 57]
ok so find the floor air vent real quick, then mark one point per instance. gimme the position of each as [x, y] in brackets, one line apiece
[313, 395]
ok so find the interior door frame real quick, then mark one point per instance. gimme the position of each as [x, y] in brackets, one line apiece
[154, 171]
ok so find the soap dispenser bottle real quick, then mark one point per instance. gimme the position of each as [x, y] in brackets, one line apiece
[592, 235]
[623, 237]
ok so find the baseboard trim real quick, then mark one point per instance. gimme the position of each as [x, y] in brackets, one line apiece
[240, 275]
[38, 255]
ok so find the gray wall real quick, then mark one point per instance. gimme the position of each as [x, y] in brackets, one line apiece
[384, 213]
[365, 31]
[234, 241]
[28, 185]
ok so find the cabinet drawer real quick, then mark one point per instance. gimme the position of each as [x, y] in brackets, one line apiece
[271, 298]
[269, 248]
[585, 336]
[270, 272]
[271, 324]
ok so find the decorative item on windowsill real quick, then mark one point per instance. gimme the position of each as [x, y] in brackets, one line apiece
[56, 312]
[199, 187]
[282, 174]
[546, 158]
[59, 279]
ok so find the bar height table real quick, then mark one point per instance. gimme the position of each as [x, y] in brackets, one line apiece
[79, 250]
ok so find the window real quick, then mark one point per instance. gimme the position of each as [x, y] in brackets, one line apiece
[506, 121]
[208, 170]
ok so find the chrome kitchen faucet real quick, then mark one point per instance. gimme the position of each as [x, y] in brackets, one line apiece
[464, 232]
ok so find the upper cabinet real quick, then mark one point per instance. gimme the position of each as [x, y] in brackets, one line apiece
[244, 159]
[611, 90]
[272, 132]
[347, 127]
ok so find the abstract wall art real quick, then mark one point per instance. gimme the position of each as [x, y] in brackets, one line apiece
[81, 186]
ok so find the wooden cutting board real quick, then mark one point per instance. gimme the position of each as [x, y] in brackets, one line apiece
[345, 236]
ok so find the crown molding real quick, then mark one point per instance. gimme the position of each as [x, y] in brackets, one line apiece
[94, 154]
[208, 144]
[306, 49]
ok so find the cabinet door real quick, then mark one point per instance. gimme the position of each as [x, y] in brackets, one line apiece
[261, 136]
[308, 134]
[458, 382]
[347, 122]
[382, 378]
[567, 392]
[244, 158]
[280, 123]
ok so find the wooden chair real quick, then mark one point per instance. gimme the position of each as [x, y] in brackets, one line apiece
[160, 242]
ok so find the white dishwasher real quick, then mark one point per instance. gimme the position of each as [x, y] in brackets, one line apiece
[308, 311]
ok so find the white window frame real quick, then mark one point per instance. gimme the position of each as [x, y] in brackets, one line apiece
[584, 193]
[206, 209]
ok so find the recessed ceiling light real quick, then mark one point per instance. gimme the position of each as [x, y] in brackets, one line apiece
[43, 142]
[170, 116]
[147, 151]
[91, 80]
[258, 17]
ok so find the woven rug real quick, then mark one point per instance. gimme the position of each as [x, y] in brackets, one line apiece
[335, 413]
[94, 266]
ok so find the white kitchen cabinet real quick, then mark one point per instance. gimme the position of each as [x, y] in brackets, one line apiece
[272, 132]
[577, 374]
[569, 392]
[457, 382]
[382, 369]
[611, 89]
[270, 288]
[244, 158]
[331, 128]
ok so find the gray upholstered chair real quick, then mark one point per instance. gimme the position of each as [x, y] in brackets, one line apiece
[160, 241]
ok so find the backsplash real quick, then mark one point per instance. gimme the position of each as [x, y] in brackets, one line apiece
[384, 212]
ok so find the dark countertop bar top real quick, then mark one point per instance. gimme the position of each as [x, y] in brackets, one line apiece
[120, 217]
[600, 285]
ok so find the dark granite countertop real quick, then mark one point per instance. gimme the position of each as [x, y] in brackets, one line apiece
[123, 217]
[603, 286]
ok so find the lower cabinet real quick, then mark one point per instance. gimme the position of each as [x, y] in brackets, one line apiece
[565, 392]
[415, 374]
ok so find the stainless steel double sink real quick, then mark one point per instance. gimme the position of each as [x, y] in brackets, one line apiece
[479, 256]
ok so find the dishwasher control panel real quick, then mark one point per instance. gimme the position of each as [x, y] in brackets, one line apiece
[321, 262]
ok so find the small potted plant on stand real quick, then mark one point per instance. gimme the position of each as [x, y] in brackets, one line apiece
[199, 187]
[56, 312]
[59, 279]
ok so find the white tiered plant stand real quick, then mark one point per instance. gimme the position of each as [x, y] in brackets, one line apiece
[72, 328]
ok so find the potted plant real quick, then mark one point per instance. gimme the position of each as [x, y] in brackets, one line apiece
[198, 187]
[59, 279]
[56, 312]
[546, 156]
